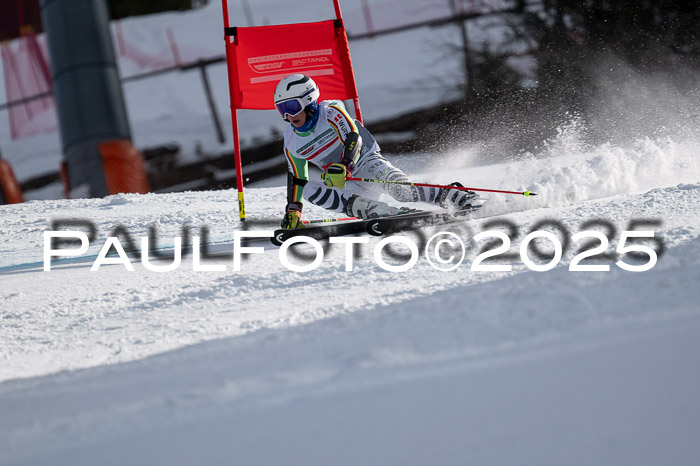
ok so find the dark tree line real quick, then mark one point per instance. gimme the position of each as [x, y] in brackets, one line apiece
[646, 33]
[597, 59]
[567, 37]
[575, 36]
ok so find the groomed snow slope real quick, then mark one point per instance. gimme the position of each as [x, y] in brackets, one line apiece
[268, 366]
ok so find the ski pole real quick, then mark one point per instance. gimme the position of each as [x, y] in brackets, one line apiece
[459, 188]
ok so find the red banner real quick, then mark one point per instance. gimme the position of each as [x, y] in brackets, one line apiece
[262, 56]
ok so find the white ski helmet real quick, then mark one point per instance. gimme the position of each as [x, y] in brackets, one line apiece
[294, 93]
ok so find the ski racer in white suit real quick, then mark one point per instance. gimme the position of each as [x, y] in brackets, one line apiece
[324, 134]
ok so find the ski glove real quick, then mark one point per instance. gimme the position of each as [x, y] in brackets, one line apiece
[334, 176]
[292, 218]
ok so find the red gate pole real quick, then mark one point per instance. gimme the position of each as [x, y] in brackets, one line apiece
[233, 89]
[349, 73]
[338, 14]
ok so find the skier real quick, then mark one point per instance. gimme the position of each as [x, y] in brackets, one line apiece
[324, 134]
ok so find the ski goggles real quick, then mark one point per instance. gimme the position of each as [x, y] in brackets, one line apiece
[290, 108]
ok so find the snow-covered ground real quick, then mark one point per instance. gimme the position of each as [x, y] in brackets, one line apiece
[269, 366]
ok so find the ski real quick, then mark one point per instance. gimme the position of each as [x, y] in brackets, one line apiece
[395, 223]
[374, 226]
[322, 230]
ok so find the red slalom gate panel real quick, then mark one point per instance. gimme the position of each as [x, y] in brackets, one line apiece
[263, 55]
